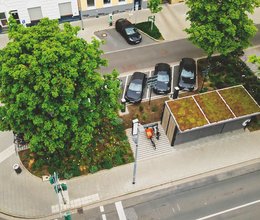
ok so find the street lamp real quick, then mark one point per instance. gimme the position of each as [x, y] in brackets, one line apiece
[136, 128]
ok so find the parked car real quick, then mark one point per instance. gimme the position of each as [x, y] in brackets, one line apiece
[128, 31]
[135, 88]
[187, 74]
[164, 78]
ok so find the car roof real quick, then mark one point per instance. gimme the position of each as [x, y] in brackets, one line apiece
[138, 75]
[162, 66]
[188, 60]
[124, 21]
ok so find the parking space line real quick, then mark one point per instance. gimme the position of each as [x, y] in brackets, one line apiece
[125, 86]
[104, 217]
[120, 211]
[148, 87]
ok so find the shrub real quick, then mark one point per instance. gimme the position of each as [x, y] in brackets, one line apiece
[93, 169]
[141, 108]
[154, 108]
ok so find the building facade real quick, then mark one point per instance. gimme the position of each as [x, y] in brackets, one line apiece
[29, 12]
[95, 8]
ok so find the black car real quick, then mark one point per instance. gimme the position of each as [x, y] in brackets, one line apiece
[128, 31]
[187, 74]
[164, 78]
[135, 88]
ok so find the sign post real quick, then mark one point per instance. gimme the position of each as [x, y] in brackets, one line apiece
[151, 83]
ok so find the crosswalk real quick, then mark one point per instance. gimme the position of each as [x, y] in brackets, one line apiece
[145, 147]
[7, 153]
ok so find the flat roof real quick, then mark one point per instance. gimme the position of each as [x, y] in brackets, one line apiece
[212, 107]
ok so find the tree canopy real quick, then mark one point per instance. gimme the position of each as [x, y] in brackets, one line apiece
[51, 89]
[221, 26]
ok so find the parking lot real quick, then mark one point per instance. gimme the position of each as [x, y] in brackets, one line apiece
[126, 79]
[114, 41]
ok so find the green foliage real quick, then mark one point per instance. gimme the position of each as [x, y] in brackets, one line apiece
[146, 28]
[154, 108]
[255, 60]
[51, 88]
[221, 26]
[141, 108]
[154, 6]
[231, 70]
[93, 169]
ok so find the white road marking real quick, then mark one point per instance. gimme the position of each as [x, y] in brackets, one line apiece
[148, 87]
[229, 210]
[7, 153]
[101, 208]
[173, 210]
[120, 211]
[178, 207]
[104, 217]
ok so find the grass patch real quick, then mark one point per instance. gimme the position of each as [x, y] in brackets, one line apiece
[146, 28]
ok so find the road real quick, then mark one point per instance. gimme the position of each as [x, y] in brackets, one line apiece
[237, 198]
[147, 56]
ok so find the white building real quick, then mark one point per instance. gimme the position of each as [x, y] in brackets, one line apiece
[31, 11]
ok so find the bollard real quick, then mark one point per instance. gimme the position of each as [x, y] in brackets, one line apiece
[17, 168]
[175, 92]
[123, 102]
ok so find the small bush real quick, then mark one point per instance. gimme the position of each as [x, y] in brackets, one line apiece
[144, 117]
[154, 108]
[93, 169]
[141, 108]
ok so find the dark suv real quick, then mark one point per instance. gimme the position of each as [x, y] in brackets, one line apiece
[128, 31]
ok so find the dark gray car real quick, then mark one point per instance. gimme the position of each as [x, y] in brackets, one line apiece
[135, 88]
[128, 31]
[187, 74]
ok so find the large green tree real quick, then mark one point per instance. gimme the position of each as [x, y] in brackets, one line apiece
[221, 26]
[51, 87]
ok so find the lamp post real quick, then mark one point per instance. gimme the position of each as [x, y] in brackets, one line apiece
[136, 128]
[80, 14]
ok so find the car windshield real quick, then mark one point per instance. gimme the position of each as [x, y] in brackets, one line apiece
[130, 31]
[187, 74]
[136, 87]
[162, 76]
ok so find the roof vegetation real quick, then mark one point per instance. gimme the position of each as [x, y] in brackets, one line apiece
[213, 107]
[187, 113]
[240, 102]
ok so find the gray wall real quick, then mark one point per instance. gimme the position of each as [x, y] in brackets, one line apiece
[207, 131]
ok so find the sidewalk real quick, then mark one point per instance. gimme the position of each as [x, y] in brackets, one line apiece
[25, 195]
[171, 22]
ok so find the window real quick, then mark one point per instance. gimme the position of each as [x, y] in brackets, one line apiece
[107, 1]
[91, 3]
[15, 16]
[3, 20]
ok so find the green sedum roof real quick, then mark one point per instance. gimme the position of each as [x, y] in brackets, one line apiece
[212, 107]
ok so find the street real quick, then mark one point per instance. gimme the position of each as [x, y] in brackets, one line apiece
[236, 198]
[147, 56]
